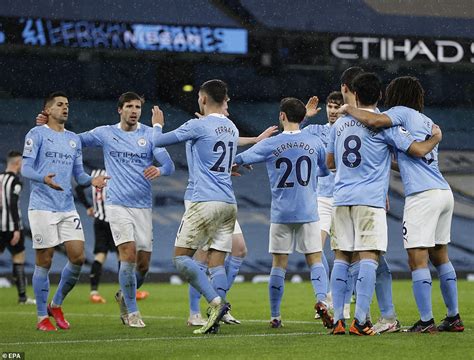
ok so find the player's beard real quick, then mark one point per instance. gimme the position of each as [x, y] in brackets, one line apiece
[131, 123]
[62, 119]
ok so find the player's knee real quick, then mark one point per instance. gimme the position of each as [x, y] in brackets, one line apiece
[78, 259]
[240, 252]
[142, 268]
[44, 263]
[439, 255]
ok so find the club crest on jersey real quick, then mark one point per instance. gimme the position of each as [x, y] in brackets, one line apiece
[141, 142]
[72, 143]
[38, 238]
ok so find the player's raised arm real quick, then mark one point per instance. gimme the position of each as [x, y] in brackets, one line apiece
[264, 135]
[158, 121]
[92, 138]
[256, 154]
[189, 130]
[371, 119]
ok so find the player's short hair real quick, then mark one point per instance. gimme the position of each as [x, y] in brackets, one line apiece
[335, 97]
[216, 89]
[367, 87]
[405, 91]
[349, 75]
[12, 155]
[52, 96]
[127, 97]
[294, 109]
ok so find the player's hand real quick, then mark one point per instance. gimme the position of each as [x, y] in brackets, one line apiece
[343, 110]
[100, 181]
[90, 211]
[15, 238]
[312, 106]
[48, 180]
[234, 171]
[157, 116]
[267, 133]
[236, 168]
[198, 115]
[436, 132]
[152, 172]
[41, 119]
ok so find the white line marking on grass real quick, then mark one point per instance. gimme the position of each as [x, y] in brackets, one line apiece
[159, 317]
[166, 338]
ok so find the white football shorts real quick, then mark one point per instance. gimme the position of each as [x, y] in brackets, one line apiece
[237, 228]
[207, 225]
[50, 229]
[427, 219]
[359, 228]
[131, 224]
[307, 237]
[325, 213]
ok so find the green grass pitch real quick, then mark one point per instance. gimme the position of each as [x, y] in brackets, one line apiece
[97, 333]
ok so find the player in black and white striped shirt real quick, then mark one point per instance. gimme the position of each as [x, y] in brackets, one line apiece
[104, 241]
[11, 227]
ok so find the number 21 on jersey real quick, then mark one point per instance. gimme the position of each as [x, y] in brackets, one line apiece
[221, 147]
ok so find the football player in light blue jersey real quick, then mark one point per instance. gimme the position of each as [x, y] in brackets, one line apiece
[362, 160]
[233, 260]
[294, 160]
[325, 184]
[209, 220]
[388, 321]
[51, 157]
[129, 153]
[428, 205]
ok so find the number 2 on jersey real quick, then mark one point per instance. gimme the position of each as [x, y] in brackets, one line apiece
[218, 146]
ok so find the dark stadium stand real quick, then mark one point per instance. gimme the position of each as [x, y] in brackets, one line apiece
[332, 17]
[180, 12]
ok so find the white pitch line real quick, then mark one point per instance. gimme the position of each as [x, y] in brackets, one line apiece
[198, 337]
[158, 317]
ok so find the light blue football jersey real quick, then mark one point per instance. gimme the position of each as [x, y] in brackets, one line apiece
[293, 160]
[362, 158]
[126, 155]
[213, 143]
[418, 174]
[326, 183]
[58, 153]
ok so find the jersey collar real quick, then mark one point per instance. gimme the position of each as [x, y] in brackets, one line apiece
[291, 132]
[217, 115]
[119, 127]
